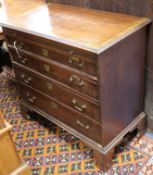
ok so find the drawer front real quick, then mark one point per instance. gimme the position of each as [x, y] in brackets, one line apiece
[55, 90]
[65, 76]
[61, 112]
[67, 56]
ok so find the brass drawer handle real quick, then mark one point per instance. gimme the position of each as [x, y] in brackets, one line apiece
[16, 49]
[54, 105]
[49, 86]
[77, 105]
[82, 124]
[77, 80]
[28, 80]
[16, 46]
[31, 99]
[74, 60]
[24, 61]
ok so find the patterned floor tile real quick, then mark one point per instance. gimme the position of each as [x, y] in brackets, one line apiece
[145, 144]
[148, 168]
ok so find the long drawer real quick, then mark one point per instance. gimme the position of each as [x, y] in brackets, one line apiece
[55, 90]
[66, 76]
[78, 59]
[61, 112]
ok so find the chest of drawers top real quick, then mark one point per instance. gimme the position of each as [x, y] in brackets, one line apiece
[88, 29]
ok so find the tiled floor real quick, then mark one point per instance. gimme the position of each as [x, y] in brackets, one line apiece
[54, 151]
[145, 145]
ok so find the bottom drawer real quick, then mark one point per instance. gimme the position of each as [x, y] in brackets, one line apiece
[63, 113]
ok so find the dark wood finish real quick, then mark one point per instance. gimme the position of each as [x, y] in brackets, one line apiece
[62, 112]
[102, 4]
[136, 7]
[85, 62]
[103, 157]
[126, 81]
[104, 161]
[132, 7]
[68, 77]
[114, 44]
[81, 3]
[140, 8]
[55, 90]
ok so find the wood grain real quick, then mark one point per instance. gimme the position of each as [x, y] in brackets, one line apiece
[60, 111]
[80, 60]
[89, 87]
[116, 43]
[124, 92]
[10, 163]
[11, 8]
[54, 90]
[77, 25]
[132, 7]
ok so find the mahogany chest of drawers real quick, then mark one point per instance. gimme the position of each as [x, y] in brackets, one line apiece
[83, 70]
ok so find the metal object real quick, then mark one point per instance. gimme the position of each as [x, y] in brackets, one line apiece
[74, 60]
[77, 105]
[20, 46]
[23, 61]
[82, 124]
[54, 105]
[45, 52]
[16, 49]
[49, 86]
[77, 80]
[31, 99]
[47, 67]
[28, 80]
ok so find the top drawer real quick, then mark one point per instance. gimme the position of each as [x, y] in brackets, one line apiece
[76, 58]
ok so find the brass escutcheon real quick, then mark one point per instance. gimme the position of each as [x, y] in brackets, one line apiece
[47, 68]
[49, 86]
[54, 105]
[45, 52]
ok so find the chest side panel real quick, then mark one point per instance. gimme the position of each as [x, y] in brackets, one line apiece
[121, 74]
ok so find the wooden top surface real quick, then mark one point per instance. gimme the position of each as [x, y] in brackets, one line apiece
[11, 8]
[93, 30]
